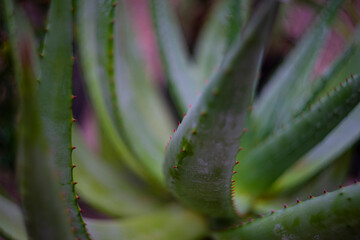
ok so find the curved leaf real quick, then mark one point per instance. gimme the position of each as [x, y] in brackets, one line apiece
[172, 222]
[279, 151]
[105, 189]
[334, 215]
[284, 95]
[173, 51]
[200, 158]
[45, 215]
[11, 220]
[55, 96]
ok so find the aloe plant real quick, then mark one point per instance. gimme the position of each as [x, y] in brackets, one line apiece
[230, 166]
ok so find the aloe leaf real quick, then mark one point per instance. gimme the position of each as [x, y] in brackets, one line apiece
[146, 123]
[279, 151]
[45, 216]
[90, 62]
[11, 221]
[201, 156]
[323, 154]
[334, 215]
[226, 20]
[56, 104]
[328, 179]
[104, 188]
[284, 95]
[345, 65]
[171, 222]
[173, 51]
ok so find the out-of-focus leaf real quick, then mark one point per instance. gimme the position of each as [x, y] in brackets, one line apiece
[11, 221]
[172, 222]
[106, 189]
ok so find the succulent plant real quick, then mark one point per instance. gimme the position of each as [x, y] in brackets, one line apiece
[228, 166]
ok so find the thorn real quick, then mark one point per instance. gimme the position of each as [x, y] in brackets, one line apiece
[179, 123]
[245, 130]
[74, 120]
[347, 80]
[352, 76]
[193, 131]
[298, 201]
[335, 88]
[73, 58]
[341, 85]
[311, 196]
[236, 162]
[80, 210]
[285, 206]
[175, 167]
[234, 172]
[203, 113]
[75, 183]
[174, 130]
[77, 197]
[232, 181]
[73, 148]
[324, 191]
[114, 4]
[261, 215]
[112, 21]
[41, 55]
[73, 96]
[190, 106]
[239, 149]
[74, 166]
[184, 114]
[340, 186]
[72, 9]
[183, 150]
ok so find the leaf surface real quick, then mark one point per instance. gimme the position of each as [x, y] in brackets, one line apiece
[200, 158]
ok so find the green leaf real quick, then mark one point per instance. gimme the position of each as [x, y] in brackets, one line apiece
[11, 221]
[339, 140]
[285, 93]
[201, 156]
[106, 189]
[343, 67]
[334, 215]
[45, 215]
[175, 60]
[146, 123]
[89, 48]
[55, 96]
[279, 151]
[172, 222]
[226, 20]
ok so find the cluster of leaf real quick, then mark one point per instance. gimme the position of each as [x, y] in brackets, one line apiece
[232, 157]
